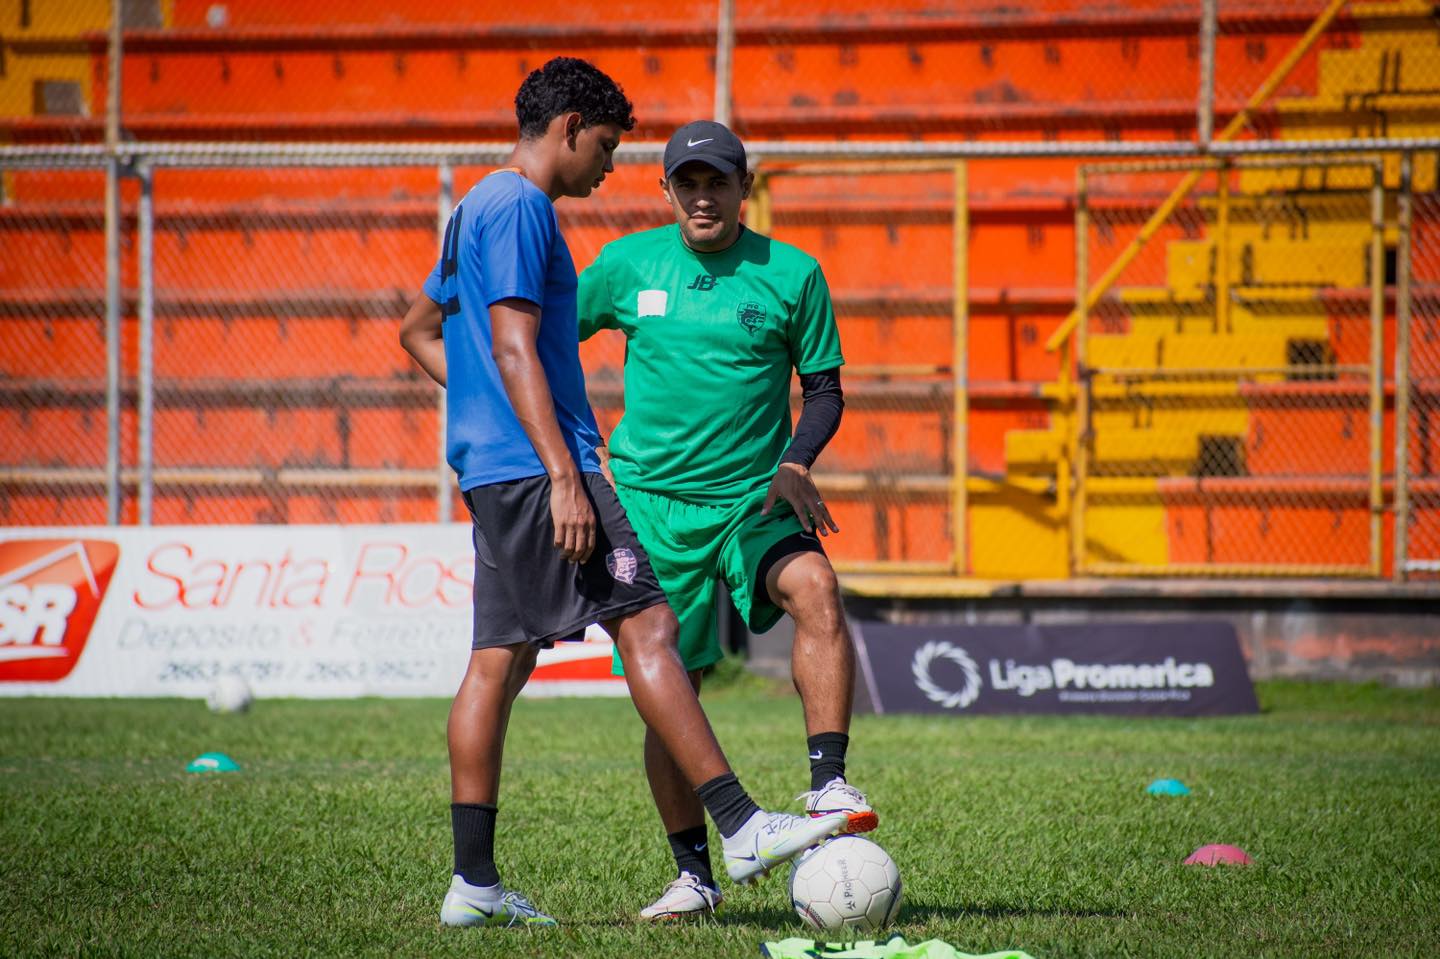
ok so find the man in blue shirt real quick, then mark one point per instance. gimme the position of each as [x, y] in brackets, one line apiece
[554, 552]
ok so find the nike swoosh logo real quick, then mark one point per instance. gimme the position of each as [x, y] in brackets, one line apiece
[817, 754]
[750, 858]
[701, 847]
[476, 910]
[696, 143]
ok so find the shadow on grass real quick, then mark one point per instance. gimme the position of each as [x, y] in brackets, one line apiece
[919, 912]
[780, 919]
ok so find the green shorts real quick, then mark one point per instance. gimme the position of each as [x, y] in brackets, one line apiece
[692, 546]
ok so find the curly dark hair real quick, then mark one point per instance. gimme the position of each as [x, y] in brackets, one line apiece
[567, 84]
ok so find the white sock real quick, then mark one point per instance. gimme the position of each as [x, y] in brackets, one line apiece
[476, 893]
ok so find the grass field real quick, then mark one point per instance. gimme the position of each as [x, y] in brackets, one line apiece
[1028, 833]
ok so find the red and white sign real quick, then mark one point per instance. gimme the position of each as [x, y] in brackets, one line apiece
[311, 611]
[50, 591]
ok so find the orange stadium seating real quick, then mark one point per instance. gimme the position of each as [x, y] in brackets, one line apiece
[278, 292]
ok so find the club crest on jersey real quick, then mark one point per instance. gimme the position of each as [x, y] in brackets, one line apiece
[622, 564]
[751, 316]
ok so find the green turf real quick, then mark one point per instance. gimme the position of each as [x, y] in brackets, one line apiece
[1028, 833]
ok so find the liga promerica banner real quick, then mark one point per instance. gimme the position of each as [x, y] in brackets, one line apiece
[310, 611]
[1184, 668]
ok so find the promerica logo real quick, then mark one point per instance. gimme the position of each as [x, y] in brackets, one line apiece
[1026, 679]
[950, 699]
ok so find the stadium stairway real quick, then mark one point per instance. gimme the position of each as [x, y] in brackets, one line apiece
[1267, 471]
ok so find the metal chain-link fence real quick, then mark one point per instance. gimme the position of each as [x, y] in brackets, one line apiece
[262, 380]
[1418, 506]
[281, 394]
[53, 415]
[1227, 413]
[1058, 69]
[885, 236]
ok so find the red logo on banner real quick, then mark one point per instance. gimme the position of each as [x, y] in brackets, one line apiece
[50, 593]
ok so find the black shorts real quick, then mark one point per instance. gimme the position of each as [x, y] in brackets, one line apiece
[526, 591]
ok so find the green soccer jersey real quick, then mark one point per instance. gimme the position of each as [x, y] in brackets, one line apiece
[712, 339]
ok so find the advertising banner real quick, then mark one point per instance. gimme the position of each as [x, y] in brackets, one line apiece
[1186, 668]
[309, 611]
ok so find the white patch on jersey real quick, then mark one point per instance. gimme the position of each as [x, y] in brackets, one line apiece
[651, 303]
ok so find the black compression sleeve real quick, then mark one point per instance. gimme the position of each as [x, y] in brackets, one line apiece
[819, 416]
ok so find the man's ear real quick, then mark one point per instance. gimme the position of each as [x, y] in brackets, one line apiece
[665, 190]
[746, 183]
[574, 123]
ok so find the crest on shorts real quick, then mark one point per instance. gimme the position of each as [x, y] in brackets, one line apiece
[622, 564]
[751, 315]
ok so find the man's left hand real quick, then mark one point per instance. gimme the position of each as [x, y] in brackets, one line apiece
[793, 484]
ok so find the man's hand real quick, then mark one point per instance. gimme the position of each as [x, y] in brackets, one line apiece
[793, 484]
[573, 518]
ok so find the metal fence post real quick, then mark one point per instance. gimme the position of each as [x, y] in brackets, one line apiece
[724, 57]
[1205, 101]
[960, 377]
[145, 309]
[112, 271]
[757, 209]
[1402, 373]
[443, 480]
[1080, 396]
[1377, 359]
[1222, 250]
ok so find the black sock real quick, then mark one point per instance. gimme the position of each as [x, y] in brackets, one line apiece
[827, 757]
[473, 825]
[728, 803]
[692, 853]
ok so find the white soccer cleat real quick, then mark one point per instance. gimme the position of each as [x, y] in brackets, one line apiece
[467, 905]
[772, 838]
[685, 898]
[838, 796]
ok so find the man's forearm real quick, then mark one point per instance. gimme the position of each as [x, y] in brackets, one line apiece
[529, 393]
[819, 417]
[422, 337]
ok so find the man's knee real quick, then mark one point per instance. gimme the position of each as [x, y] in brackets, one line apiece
[650, 631]
[809, 589]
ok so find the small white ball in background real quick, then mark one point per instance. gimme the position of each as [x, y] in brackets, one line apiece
[230, 694]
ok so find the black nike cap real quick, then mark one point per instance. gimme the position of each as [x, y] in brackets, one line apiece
[706, 141]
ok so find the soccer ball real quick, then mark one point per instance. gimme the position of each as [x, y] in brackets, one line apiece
[230, 694]
[846, 884]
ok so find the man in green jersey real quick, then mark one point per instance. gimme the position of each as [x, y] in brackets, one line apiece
[716, 317]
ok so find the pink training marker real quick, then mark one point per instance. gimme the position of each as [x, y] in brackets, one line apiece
[1219, 854]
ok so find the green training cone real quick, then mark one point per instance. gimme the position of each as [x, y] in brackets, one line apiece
[212, 763]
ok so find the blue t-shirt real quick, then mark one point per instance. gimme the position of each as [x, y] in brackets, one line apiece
[503, 241]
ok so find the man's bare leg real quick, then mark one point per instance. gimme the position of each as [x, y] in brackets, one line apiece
[479, 717]
[680, 809]
[822, 661]
[664, 695]
[823, 666]
[755, 841]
